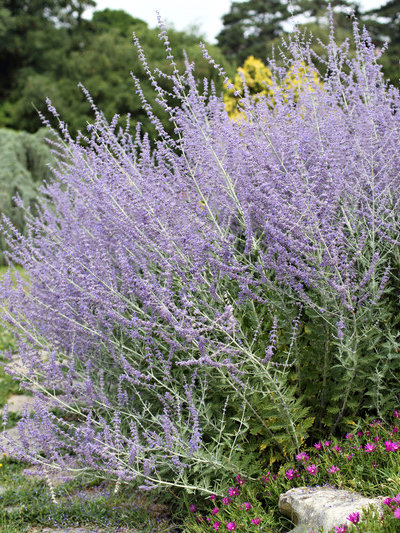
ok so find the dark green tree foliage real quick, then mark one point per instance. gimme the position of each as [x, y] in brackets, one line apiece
[118, 19]
[253, 26]
[31, 31]
[315, 10]
[99, 53]
[384, 25]
[249, 26]
[24, 158]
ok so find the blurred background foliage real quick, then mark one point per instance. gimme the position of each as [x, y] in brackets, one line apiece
[24, 165]
[47, 47]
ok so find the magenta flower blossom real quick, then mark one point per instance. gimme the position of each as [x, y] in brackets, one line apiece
[396, 513]
[354, 518]
[240, 480]
[212, 497]
[290, 474]
[246, 506]
[226, 501]
[192, 508]
[396, 414]
[370, 448]
[359, 434]
[349, 457]
[349, 435]
[216, 525]
[318, 445]
[340, 529]
[333, 469]
[391, 446]
[396, 499]
[215, 510]
[387, 501]
[327, 443]
[337, 448]
[303, 457]
[312, 469]
[268, 477]
[233, 491]
[231, 526]
[255, 521]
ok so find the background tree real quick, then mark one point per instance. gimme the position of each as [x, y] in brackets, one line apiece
[254, 26]
[65, 50]
[24, 164]
[384, 26]
[249, 26]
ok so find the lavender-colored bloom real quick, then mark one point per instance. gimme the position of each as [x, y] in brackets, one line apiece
[152, 264]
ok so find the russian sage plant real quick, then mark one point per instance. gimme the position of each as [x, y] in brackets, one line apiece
[233, 283]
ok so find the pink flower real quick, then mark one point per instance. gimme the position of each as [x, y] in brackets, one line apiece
[333, 469]
[353, 518]
[396, 512]
[340, 529]
[255, 521]
[370, 448]
[359, 434]
[303, 456]
[233, 491]
[337, 448]
[327, 443]
[318, 445]
[215, 510]
[212, 497]
[216, 525]
[396, 499]
[266, 478]
[349, 457]
[240, 480]
[312, 469]
[192, 508]
[226, 501]
[349, 435]
[396, 414]
[231, 526]
[246, 506]
[387, 501]
[290, 474]
[374, 465]
[391, 446]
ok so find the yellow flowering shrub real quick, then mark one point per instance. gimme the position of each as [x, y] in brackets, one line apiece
[301, 79]
[259, 81]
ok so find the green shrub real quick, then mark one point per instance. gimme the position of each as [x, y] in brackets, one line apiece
[24, 158]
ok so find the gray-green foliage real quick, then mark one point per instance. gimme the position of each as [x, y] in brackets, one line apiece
[23, 166]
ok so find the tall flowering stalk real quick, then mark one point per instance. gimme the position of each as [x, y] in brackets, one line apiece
[171, 288]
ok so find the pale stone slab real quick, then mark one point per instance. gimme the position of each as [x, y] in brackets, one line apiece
[16, 403]
[11, 435]
[312, 508]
